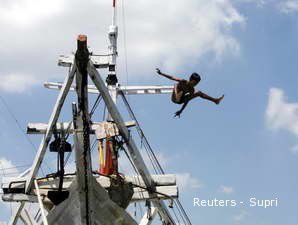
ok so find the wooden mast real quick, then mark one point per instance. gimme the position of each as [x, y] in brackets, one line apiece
[82, 128]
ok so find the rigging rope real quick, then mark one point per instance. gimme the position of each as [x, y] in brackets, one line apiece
[147, 146]
[21, 129]
[124, 40]
[95, 105]
[154, 161]
[14, 167]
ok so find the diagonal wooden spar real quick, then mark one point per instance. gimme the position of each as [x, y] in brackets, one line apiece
[46, 139]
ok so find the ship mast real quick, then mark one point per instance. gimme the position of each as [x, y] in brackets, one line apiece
[85, 187]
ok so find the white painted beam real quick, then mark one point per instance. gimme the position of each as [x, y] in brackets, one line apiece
[19, 198]
[44, 218]
[41, 128]
[47, 183]
[127, 90]
[163, 192]
[100, 61]
[141, 90]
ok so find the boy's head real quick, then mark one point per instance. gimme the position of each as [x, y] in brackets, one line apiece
[194, 79]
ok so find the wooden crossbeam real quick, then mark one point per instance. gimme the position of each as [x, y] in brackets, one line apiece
[127, 90]
[100, 128]
[99, 61]
[164, 192]
[47, 183]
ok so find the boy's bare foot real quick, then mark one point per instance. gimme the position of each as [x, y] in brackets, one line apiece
[218, 100]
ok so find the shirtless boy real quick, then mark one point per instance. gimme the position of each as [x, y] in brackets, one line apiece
[184, 91]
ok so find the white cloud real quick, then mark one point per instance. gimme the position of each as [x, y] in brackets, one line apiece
[187, 181]
[173, 35]
[226, 189]
[28, 12]
[288, 6]
[178, 34]
[17, 82]
[7, 168]
[280, 114]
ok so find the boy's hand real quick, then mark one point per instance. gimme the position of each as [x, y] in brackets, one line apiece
[158, 71]
[178, 113]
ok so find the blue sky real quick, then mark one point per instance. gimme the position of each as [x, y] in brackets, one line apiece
[246, 147]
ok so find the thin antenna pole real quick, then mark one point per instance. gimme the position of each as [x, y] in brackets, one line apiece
[114, 13]
[113, 35]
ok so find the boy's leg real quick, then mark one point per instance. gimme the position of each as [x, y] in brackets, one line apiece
[207, 97]
[177, 95]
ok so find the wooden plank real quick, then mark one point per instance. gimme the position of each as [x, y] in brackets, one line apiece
[164, 192]
[100, 61]
[47, 183]
[41, 128]
[127, 90]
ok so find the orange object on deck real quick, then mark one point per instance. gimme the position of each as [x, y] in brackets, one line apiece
[106, 167]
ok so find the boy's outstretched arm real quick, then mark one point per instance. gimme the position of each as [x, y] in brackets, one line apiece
[178, 113]
[167, 76]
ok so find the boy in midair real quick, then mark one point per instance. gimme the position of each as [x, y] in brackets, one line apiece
[184, 91]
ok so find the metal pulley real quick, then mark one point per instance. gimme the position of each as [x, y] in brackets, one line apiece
[59, 145]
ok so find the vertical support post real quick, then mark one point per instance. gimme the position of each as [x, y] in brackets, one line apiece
[82, 129]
